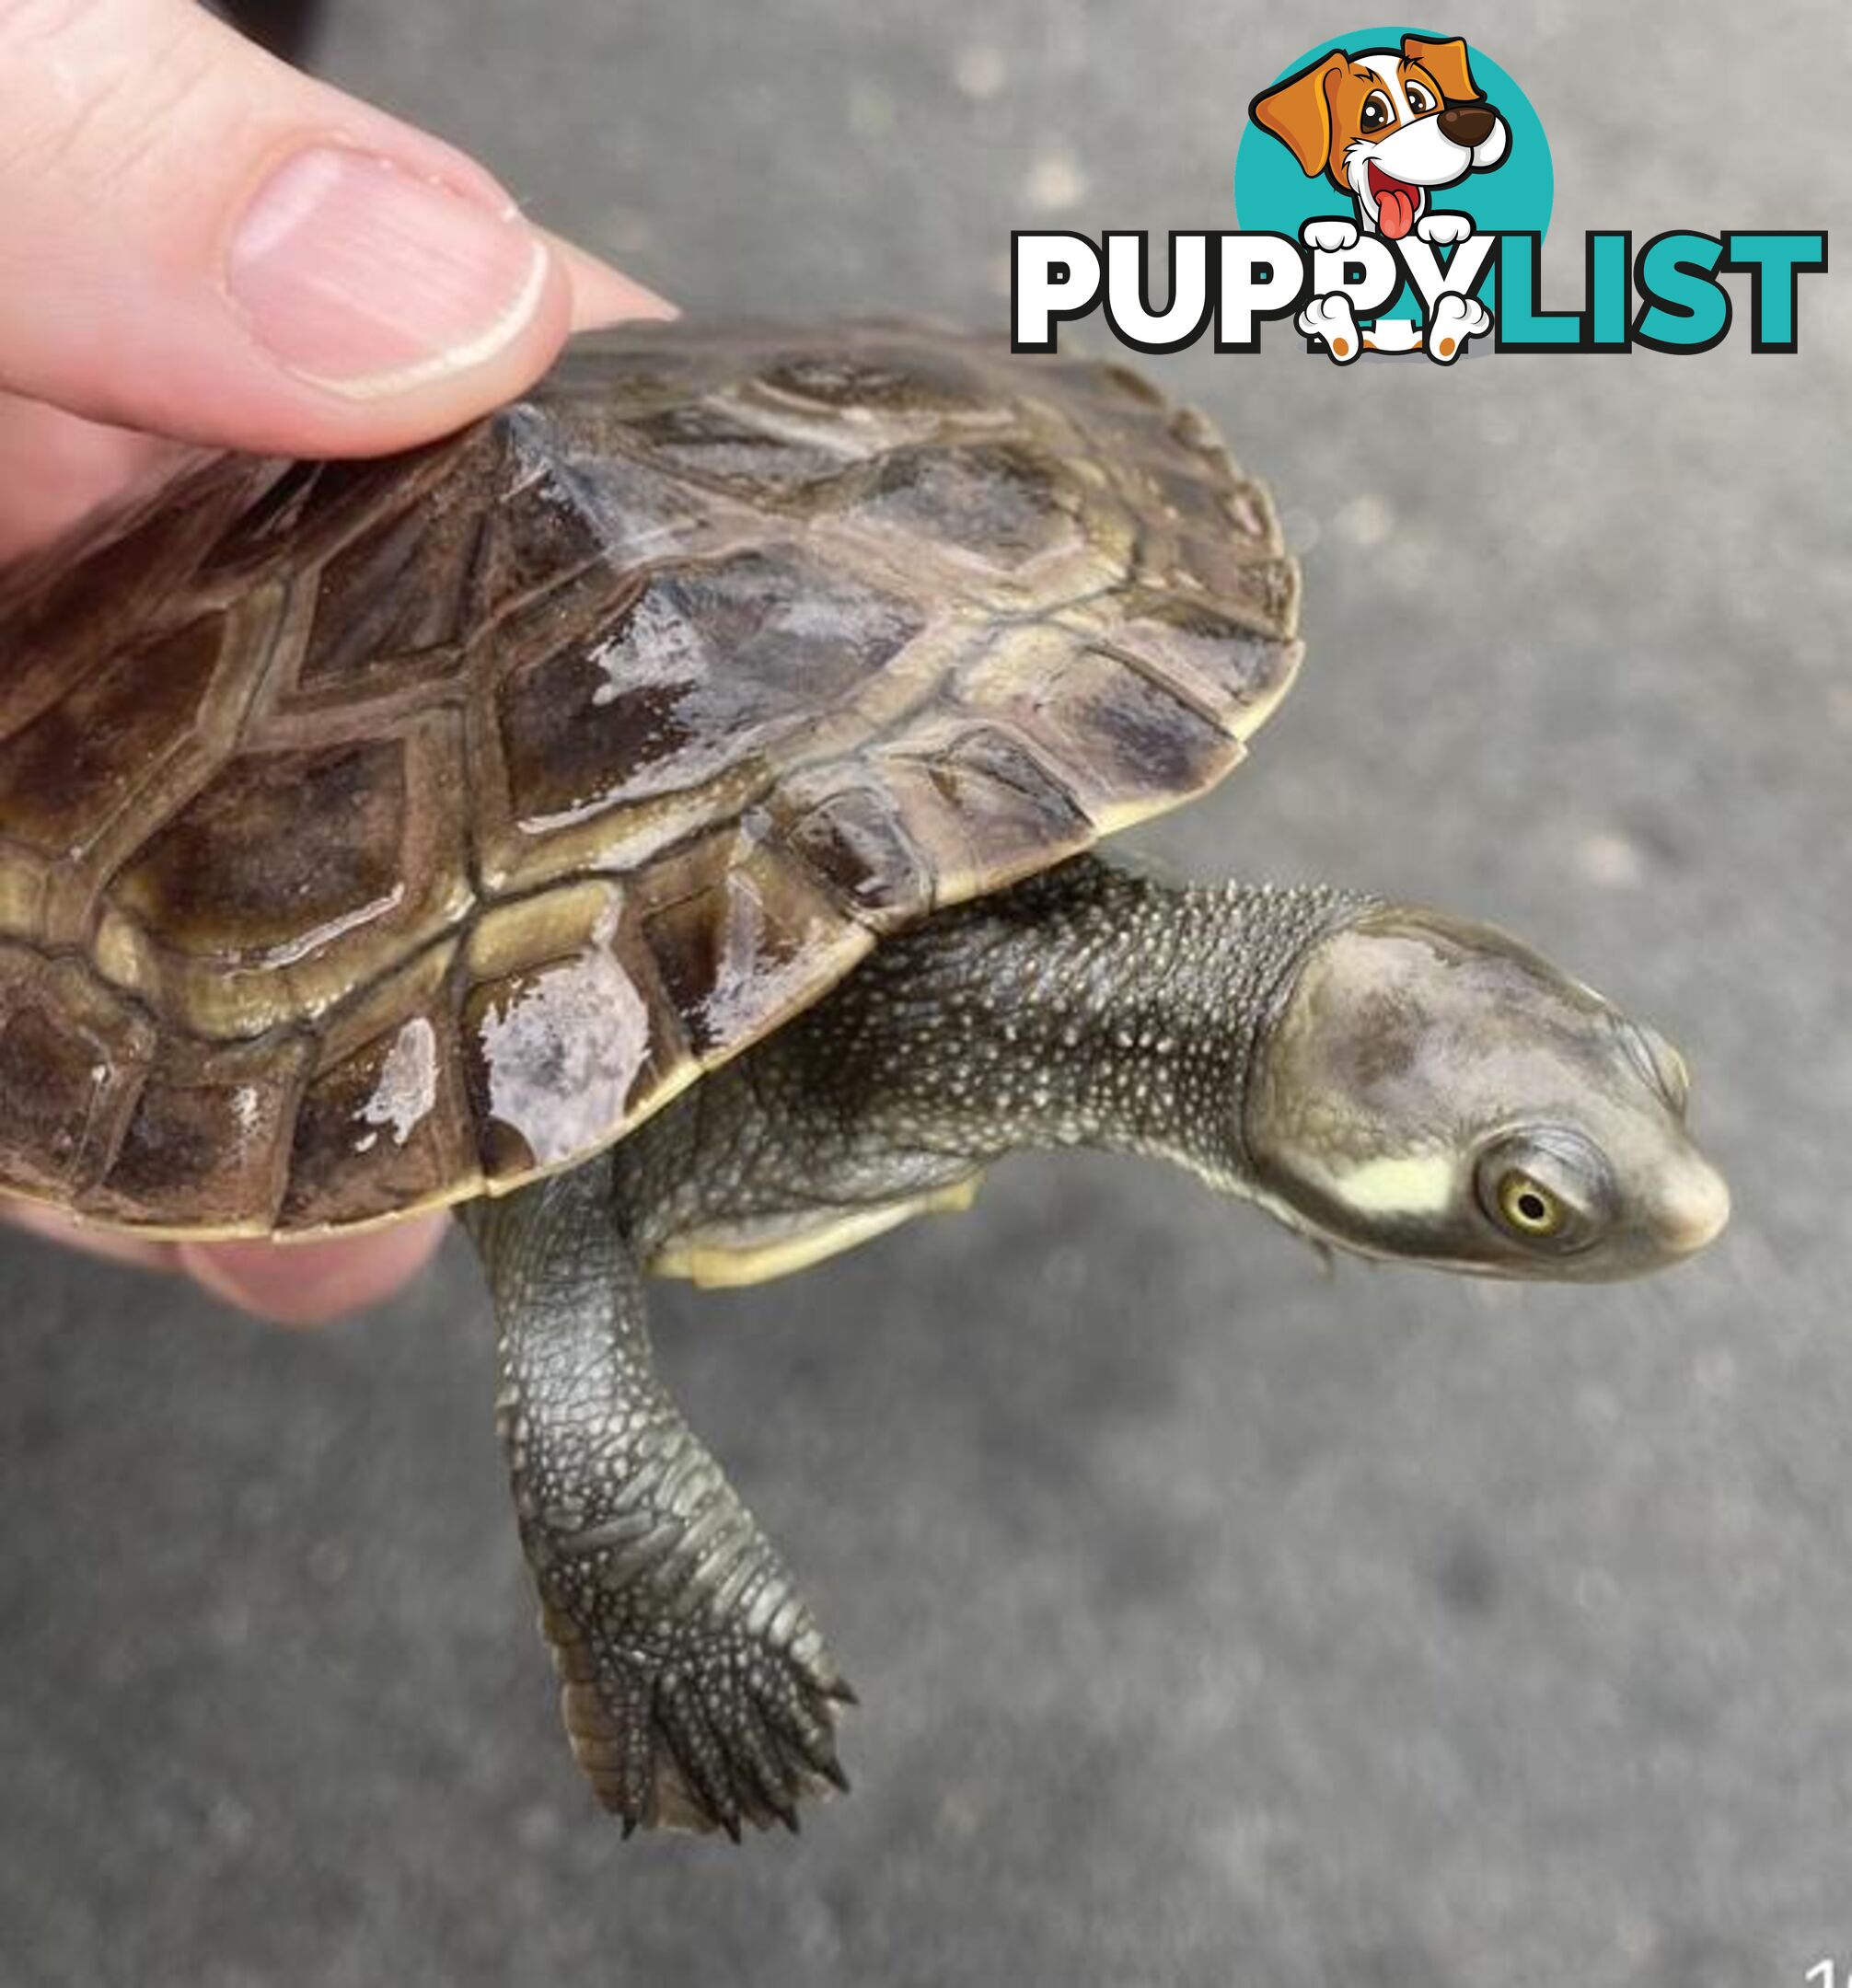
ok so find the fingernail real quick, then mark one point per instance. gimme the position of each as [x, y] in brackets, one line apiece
[369, 280]
[602, 296]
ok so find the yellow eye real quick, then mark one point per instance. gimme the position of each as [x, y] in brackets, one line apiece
[1528, 1205]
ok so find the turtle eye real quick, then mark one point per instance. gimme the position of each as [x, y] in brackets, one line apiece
[1528, 1207]
[1548, 1188]
[1376, 113]
[1420, 102]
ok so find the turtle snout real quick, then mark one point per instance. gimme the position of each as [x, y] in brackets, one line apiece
[1691, 1208]
[1468, 125]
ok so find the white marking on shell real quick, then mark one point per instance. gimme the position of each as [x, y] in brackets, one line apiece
[563, 1054]
[407, 1089]
[657, 646]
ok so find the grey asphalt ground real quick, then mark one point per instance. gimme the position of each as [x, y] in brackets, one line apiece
[1215, 1622]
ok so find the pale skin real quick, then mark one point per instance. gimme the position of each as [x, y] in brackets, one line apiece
[201, 244]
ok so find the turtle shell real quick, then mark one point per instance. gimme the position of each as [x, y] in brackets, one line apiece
[373, 834]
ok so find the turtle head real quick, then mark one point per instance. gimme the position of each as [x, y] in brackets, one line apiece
[1432, 1090]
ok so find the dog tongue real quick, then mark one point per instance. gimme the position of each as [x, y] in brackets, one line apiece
[1396, 211]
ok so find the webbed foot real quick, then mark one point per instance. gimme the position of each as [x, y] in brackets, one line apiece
[698, 1691]
[699, 1726]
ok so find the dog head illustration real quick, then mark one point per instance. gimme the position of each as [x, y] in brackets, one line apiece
[1386, 127]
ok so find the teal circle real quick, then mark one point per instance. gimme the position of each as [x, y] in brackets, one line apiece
[1272, 194]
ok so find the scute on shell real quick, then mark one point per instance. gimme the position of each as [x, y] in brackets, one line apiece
[374, 833]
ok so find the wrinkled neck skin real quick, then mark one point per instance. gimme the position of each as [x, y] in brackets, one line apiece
[1090, 1007]
[1386, 1078]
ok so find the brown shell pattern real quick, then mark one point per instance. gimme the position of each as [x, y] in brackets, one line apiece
[373, 834]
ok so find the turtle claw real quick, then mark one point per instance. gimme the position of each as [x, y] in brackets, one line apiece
[722, 1734]
[812, 1735]
[698, 1691]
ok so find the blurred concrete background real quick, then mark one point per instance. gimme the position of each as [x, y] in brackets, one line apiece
[1214, 1621]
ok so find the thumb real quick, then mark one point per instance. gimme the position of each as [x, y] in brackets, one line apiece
[200, 241]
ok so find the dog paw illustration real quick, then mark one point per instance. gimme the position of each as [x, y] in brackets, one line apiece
[1444, 227]
[1330, 318]
[1455, 319]
[1331, 235]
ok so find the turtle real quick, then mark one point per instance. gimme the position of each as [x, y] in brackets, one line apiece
[659, 821]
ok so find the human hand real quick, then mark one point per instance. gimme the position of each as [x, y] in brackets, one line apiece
[201, 244]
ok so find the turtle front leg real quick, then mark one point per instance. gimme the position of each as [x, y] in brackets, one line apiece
[699, 1693]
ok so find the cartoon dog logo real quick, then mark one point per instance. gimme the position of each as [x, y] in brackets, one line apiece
[1388, 127]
